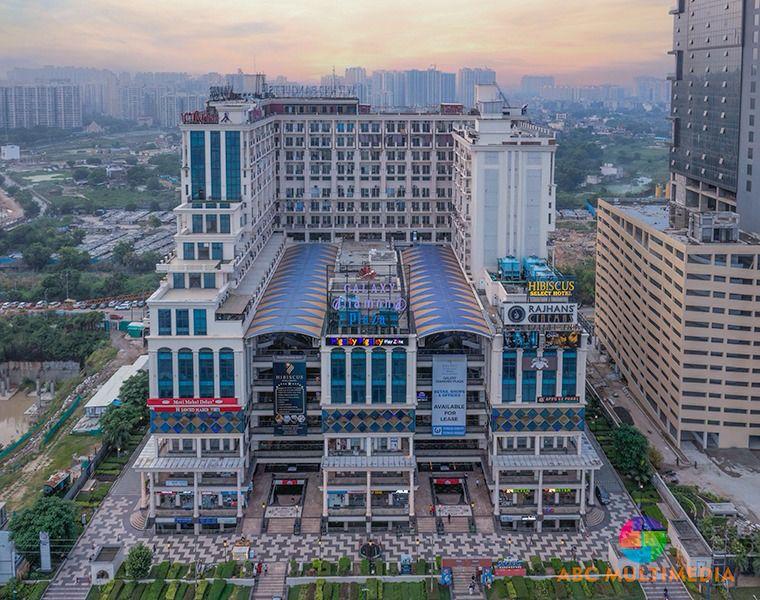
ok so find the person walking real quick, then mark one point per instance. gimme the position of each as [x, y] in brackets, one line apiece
[665, 594]
[448, 517]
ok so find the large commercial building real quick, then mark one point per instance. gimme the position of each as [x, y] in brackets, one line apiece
[51, 105]
[359, 310]
[714, 109]
[676, 309]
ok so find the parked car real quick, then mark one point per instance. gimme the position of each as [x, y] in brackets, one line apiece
[122, 306]
[55, 304]
[112, 303]
[602, 495]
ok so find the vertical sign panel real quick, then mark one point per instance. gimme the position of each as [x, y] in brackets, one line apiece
[290, 398]
[449, 395]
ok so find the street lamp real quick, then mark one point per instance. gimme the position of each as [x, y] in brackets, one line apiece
[509, 545]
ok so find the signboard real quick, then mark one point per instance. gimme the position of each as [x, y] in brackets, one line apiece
[539, 363]
[509, 568]
[449, 395]
[558, 399]
[176, 483]
[193, 404]
[554, 288]
[562, 339]
[365, 341]
[536, 313]
[289, 380]
[450, 481]
[521, 339]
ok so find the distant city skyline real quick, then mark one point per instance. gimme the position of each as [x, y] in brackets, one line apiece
[610, 41]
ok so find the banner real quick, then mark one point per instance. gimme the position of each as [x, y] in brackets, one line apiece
[193, 404]
[539, 363]
[289, 398]
[562, 339]
[449, 395]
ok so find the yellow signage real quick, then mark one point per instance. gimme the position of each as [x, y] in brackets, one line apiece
[552, 288]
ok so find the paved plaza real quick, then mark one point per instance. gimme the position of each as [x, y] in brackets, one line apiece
[111, 523]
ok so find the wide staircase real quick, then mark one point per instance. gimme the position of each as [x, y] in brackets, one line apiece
[461, 579]
[456, 524]
[138, 520]
[271, 584]
[655, 590]
[66, 591]
[281, 525]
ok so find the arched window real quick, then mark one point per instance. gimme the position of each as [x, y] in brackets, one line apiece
[338, 376]
[227, 373]
[185, 373]
[206, 373]
[358, 376]
[398, 376]
[165, 374]
[378, 376]
[549, 377]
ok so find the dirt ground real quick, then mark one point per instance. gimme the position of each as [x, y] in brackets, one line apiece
[573, 246]
[10, 210]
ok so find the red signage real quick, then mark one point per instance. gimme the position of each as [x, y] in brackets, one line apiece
[510, 572]
[288, 481]
[199, 117]
[451, 481]
[193, 404]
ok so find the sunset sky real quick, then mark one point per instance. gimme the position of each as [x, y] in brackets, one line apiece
[579, 41]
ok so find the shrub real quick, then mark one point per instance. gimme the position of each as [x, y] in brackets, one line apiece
[293, 568]
[138, 561]
[499, 588]
[160, 570]
[154, 591]
[344, 565]
[556, 565]
[216, 589]
[364, 567]
[521, 589]
[200, 589]
[536, 565]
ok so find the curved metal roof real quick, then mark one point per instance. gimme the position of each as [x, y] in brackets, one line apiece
[439, 293]
[296, 297]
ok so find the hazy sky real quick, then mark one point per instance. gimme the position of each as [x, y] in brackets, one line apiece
[577, 40]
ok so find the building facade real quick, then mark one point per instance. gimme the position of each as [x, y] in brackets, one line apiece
[56, 105]
[713, 109]
[319, 326]
[677, 312]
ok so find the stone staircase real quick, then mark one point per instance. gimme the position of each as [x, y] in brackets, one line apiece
[273, 583]
[461, 579]
[138, 519]
[284, 525]
[310, 524]
[426, 524]
[655, 590]
[456, 525]
[66, 591]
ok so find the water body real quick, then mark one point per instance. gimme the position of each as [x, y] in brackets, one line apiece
[13, 422]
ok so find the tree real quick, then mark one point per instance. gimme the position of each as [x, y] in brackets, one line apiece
[37, 256]
[49, 513]
[134, 392]
[123, 252]
[81, 174]
[631, 453]
[96, 176]
[153, 184]
[154, 221]
[117, 423]
[655, 457]
[71, 258]
[138, 561]
[584, 274]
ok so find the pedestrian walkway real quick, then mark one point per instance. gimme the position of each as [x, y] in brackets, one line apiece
[66, 591]
[272, 583]
[461, 582]
[656, 590]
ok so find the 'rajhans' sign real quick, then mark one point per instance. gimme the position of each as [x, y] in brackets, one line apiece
[449, 395]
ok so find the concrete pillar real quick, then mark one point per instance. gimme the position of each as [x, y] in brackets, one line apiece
[325, 376]
[349, 351]
[583, 492]
[198, 447]
[580, 373]
[152, 495]
[143, 494]
[536, 445]
[369, 495]
[540, 492]
[411, 370]
[196, 499]
[591, 488]
[539, 379]
[368, 377]
[324, 493]
[558, 386]
[496, 484]
[388, 380]
[518, 376]
[497, 360]
[411, 493]
[239, 494]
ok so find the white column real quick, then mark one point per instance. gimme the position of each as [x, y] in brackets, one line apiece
[153, 368]
[388, 380]
[207, 165]
[152, 495]
[223, 163]
[539, 379]
[580, 373]
[239, 494]
[540, 492]
[411, 370]
[369, 494]
[496, 509]
[367, 377]
[591, 488]
[518, 376]
[198, 446]
[324, 493]
[325, 376]
[583, 492]
[411, 493]
[196, 499]
[348, 375]
[497, 350]
[558, 386]
[143, 494]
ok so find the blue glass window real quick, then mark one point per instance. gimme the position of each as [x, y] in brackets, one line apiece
[216, 165]
[224, 223]
[198, 164]
[179, 280]
[217, 250]
[338, 376]
[165, 373]
[199, 321]
[549, 377]
[509, 376]
[232, 151]
[197, 223]
[398, 376]
[205, 373]
[226, 373]
[164, 321]
[182, 321]
[185, 373]
[358, 377]
[188, 251]
[528, 381]
[211, 224]
[378, 376]
[569, 378]
[209, 280]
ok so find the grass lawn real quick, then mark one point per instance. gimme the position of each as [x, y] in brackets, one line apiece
[745, 593]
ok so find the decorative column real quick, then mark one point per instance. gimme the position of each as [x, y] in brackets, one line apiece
[196, 499]
[388, 380]
[539, 380]
[369, 496]
[325, 376]
[239, 494]
[411, 493]
[540, 492]
[367, 377]
[152, 495]
[324, 493]
[349, 351]
[411, 370]
[143, 494]
[497, 360]
[591, 488]
[583, 492]
[580, 373]
[496, 485]
[518, 376]
[558, 386]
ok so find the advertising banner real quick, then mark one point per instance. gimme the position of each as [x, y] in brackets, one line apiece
[539, 363]
[521, 339]
[562, 339]
[289, 398]
[449, 395]
[193, 404]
